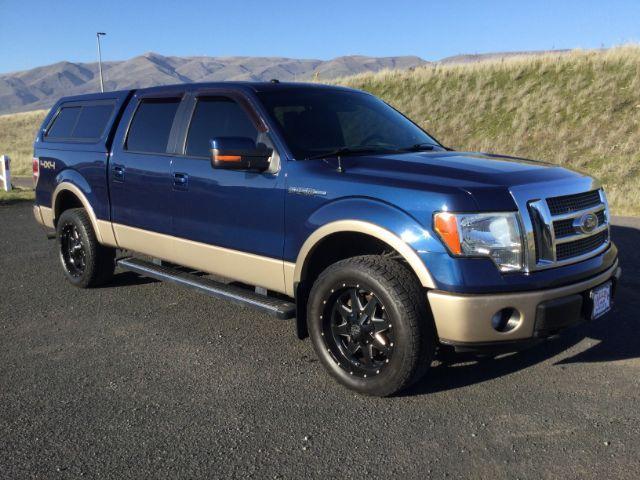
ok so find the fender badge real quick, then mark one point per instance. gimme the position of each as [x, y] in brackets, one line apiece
[306, 191]
[48, 164]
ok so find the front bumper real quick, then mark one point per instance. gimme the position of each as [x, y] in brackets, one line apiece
[465, 321]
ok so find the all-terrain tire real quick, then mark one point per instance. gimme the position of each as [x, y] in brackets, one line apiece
[85, 262]
[400, 299]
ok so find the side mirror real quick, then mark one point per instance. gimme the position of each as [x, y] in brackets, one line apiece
[239, 153]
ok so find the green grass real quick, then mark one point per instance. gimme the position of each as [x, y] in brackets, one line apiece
[16, 196]
[580, 110]
[17, 133]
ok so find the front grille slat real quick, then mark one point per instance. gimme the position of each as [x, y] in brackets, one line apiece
[564, 228]
[580, 247]
[573, 203]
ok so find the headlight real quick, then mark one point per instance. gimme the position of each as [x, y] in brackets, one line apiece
[493, 235]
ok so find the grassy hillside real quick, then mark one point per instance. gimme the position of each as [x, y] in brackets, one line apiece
[17, 133]
[580, 110]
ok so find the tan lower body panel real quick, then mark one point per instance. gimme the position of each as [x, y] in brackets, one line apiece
[37, 214]
[241, 266]
[467, 318]
[105, 233]
[289, 275]
[43, 215]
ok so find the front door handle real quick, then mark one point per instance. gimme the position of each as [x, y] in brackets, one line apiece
[180, 180]
[118, 173]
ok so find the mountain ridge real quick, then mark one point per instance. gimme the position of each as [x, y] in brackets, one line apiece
[40, 87]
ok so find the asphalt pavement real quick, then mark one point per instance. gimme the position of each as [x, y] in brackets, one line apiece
[142, 379]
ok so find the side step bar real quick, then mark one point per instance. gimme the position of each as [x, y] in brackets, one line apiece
[270, 305]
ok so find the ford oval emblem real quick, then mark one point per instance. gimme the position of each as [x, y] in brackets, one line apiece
[587, 223]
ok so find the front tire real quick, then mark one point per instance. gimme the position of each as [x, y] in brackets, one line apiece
[369, 325]
[85, 262]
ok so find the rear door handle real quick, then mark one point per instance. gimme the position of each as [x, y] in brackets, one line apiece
[118, 173]
[181, 180]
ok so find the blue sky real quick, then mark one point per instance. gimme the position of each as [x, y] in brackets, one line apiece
[38, 32]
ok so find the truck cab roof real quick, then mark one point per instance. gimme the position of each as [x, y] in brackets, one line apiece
[189, 87]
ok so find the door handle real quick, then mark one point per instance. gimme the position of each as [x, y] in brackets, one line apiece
[180, 180]
[118, 173]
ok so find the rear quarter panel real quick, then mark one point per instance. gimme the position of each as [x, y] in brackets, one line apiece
[84, 169]
[83, 164]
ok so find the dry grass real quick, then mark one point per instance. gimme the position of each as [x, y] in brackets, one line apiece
[16, 196]
[580, 110]
[17, 133]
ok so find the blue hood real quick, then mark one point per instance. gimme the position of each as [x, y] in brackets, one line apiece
[486, 177]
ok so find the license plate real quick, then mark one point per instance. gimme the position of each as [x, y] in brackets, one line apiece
[601, 298]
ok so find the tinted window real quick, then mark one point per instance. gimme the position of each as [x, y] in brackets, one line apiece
[64, 123]
[315, 121]
[149, 131]
[217, 117]
[92, 121]
[81, 122]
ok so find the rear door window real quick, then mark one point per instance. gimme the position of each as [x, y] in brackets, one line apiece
[217, 117]
[151, 125]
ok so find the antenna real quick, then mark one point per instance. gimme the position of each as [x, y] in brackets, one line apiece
[98, 35]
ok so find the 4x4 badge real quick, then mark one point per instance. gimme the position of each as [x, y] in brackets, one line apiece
[47, 164]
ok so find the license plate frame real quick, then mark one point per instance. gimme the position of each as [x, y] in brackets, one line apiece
[600, 300]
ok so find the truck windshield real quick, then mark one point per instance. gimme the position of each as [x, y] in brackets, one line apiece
[317, 121]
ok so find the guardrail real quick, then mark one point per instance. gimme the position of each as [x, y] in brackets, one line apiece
[5, 173]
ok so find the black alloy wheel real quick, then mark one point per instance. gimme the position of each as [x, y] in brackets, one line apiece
[85, 262]
[357, 330]
[73, 253]
[369, 324]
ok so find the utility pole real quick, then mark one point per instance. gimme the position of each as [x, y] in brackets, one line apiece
[98, 35]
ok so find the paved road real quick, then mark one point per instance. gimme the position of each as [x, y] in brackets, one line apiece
[145, 380]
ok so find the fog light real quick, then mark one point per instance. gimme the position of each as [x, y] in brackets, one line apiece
[506, 320]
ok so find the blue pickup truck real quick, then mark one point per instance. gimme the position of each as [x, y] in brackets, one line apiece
[325, 204]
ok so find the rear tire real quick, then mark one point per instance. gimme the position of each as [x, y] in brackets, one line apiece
[387, 342]
[85, 262]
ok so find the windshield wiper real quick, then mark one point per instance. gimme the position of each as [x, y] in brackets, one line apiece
[344, 151]
[420, 147]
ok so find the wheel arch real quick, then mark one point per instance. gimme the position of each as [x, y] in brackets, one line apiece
[67, 195]
[300, 284]
[366, 229]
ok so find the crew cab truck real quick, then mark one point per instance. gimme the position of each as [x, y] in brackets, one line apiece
[325, 204]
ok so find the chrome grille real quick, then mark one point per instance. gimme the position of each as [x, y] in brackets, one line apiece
[581, 247]
[559, 230]
[573, 203]
[565, 228]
